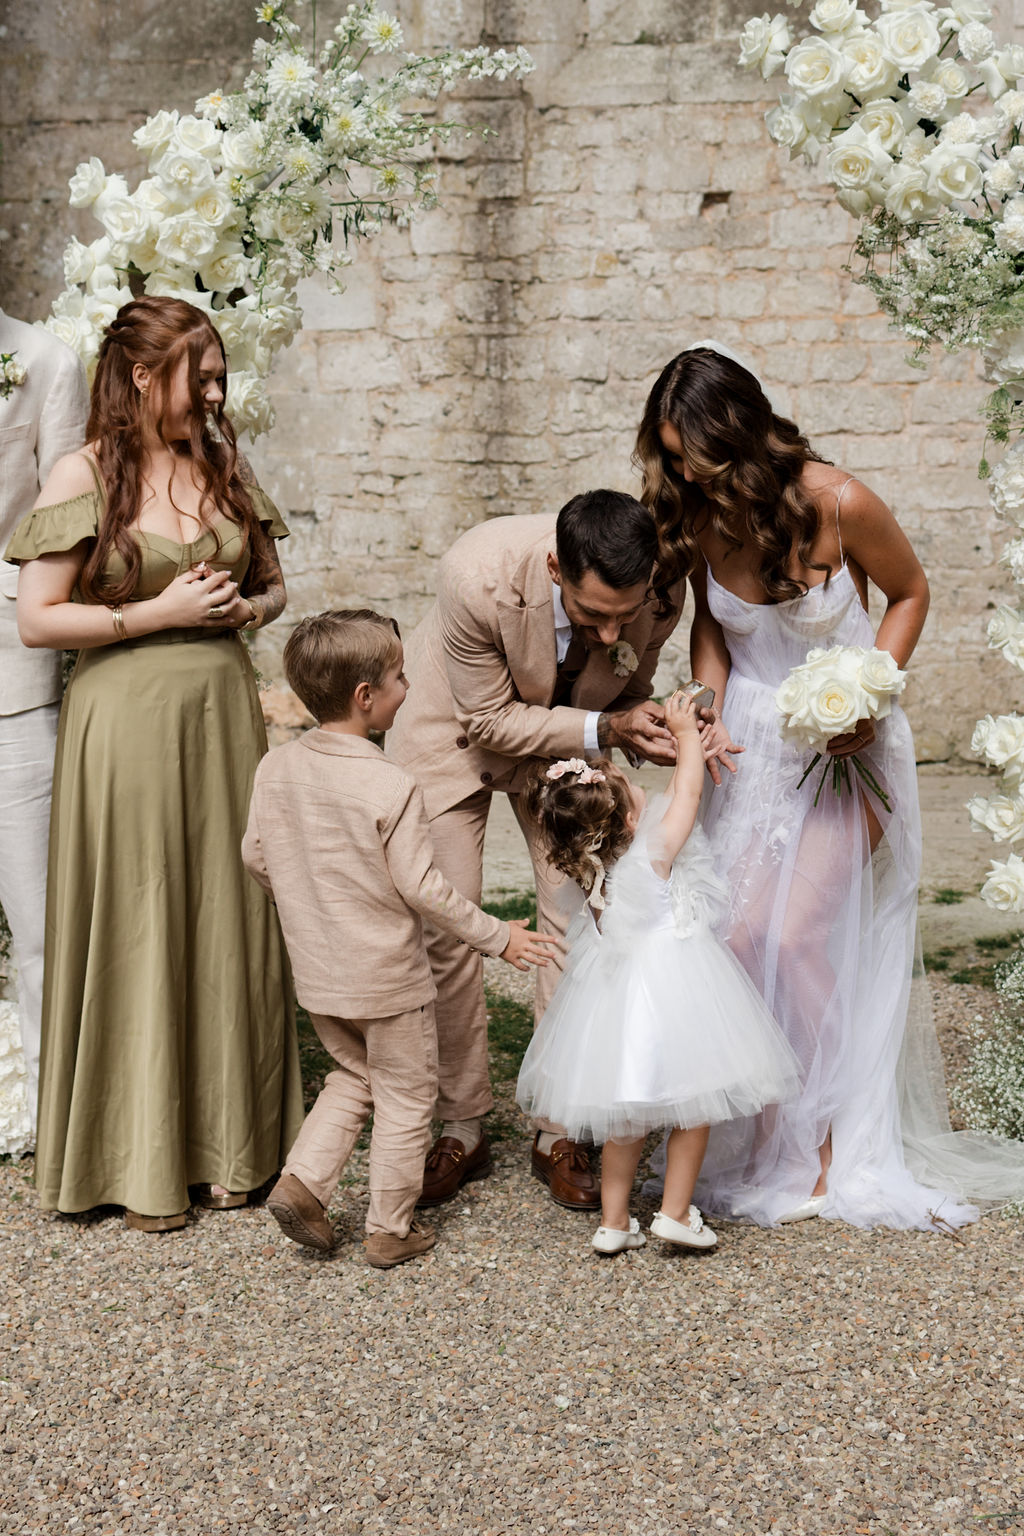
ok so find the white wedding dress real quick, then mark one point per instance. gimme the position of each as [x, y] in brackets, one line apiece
[827, 932]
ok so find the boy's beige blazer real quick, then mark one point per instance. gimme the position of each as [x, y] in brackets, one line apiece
[338, 835]
[483, 669]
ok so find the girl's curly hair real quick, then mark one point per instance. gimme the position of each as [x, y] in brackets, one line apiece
[582, 826]
[749, 462]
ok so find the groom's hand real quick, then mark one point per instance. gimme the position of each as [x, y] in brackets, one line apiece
[640, 731]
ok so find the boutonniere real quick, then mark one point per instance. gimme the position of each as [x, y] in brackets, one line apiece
[12, 373]
[623, 658]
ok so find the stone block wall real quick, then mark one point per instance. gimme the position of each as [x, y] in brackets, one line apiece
[495, 357]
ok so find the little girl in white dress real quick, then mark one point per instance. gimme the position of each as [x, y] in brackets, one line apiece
[654, 1023]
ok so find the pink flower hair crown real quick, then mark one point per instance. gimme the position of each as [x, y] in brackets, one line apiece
[585, 774]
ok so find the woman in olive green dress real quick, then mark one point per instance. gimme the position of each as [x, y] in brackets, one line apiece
[169, 1054]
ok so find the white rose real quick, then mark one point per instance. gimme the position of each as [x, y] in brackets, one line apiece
[836, 16]
[75, 332]
[835, 705]
[953, 80]
[976, 42]
[908, 197]
[215, 205]
[196, 136]
[787, 125]
[80, 261]
[816, 69]
[155, 134]
[182, 175]
[857, 161]
[869, 70]
[1003, 627]
[910, 38]
[888, 120]
[127, 221]
[926, 99]
[1000, 815]
[791, 700]
[1004, 888]
[242, 150]
[1006, 486]
[186, 239]
[87, 183]
[1012, 559]
[881, 680]
[763, 43]
[960, 12]
[999, 740]
[247, 404]
[954, 174]
[227, 268]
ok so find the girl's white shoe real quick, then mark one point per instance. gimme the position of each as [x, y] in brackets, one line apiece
[612, 1240]
[691, 1234]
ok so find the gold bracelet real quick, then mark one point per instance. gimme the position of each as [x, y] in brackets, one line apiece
[254, 621]
[117, 615]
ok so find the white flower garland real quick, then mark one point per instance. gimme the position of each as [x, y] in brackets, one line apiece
[249, 193]
[940, 193]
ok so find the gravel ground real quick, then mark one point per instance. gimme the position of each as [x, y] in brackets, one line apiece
[815, 1379]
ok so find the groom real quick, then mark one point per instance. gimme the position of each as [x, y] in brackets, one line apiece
[543, 642]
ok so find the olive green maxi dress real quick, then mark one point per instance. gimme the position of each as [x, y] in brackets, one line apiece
[169, 1051]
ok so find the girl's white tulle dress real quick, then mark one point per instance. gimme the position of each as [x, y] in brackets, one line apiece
[827, 932]
[654, 1023]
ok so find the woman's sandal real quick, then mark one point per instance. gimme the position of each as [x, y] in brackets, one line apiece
[206, 1196]
[136, 1222]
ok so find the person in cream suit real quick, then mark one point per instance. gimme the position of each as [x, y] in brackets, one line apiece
[41, 419]
[543, 642]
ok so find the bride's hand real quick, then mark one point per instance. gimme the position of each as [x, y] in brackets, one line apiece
[717, 745]
[853, 741]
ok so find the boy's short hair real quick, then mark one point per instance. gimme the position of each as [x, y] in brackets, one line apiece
[329, 654]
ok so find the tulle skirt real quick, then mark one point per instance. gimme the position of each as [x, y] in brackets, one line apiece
[669, 1032]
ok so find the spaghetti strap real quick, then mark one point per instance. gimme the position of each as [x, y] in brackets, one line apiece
[96, 476]
[839, 531]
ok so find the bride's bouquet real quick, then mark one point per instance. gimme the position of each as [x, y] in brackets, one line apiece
[826, 696]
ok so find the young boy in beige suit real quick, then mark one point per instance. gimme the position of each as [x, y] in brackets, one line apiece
[338, 835]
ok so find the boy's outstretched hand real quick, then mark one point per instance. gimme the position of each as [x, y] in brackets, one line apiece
[525, 948]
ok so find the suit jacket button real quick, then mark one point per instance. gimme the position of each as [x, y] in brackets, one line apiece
[462, 741]
[485, 778]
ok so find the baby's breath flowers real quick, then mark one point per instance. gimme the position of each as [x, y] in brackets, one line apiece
[324, 145]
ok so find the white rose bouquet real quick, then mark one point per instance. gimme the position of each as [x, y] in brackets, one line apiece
[825, 697]
[252, 190]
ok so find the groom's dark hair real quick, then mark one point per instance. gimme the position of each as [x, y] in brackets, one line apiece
[609, 533]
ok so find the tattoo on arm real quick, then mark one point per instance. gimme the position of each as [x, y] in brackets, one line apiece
[604, 731]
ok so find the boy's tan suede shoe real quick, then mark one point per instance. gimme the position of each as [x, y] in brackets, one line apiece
[299, 1214]
[384, 1250]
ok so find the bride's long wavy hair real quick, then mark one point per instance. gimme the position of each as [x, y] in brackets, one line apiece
[749, 462]
[160, 333]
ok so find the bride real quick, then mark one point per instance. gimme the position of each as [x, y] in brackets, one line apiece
[779, 547]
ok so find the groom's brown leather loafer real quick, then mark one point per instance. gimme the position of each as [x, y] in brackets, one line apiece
[449, 1166]
[568, 1175]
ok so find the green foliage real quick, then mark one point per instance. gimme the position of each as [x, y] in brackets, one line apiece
[948, 896]
[509, 1027]
[512, 904]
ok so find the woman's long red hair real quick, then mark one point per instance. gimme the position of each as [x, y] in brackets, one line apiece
[159, 333]
[749, 460]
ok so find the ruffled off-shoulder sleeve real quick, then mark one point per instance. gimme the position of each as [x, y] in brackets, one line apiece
[267, 513]
[49, 530]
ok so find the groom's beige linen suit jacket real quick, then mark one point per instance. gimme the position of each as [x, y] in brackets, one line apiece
[483, 673]
[483, 669]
